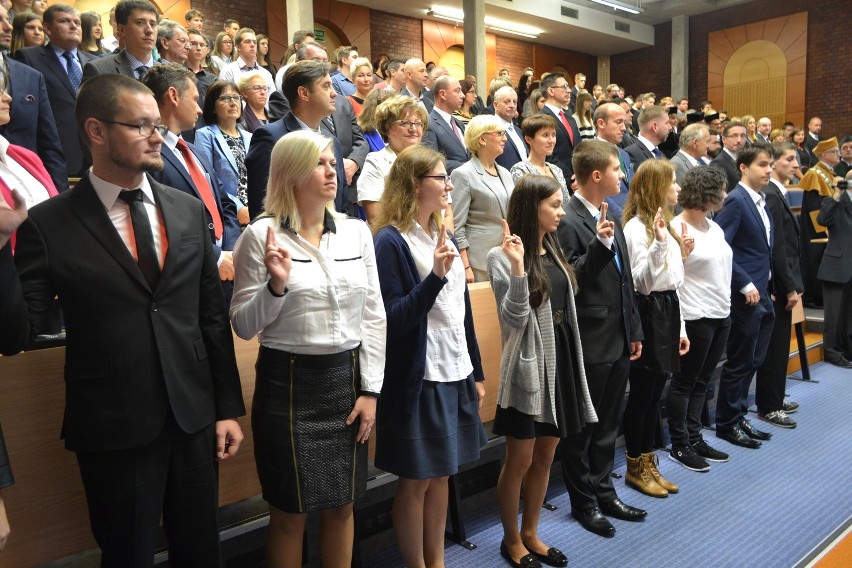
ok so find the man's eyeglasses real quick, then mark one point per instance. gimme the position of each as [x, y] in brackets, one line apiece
[145, 129]
[565, 86]
[408, 124]
[229, 98]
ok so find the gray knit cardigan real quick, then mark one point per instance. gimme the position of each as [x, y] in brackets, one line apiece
[529, 346]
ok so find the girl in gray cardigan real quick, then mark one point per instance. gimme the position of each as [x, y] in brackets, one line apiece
[543, 394]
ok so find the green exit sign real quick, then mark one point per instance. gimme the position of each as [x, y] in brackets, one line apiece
[319, 35]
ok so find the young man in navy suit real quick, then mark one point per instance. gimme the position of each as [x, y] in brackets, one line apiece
[748, 229]
[557, 95]
[174, 89]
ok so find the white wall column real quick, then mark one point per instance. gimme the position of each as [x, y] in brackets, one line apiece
[680, 57]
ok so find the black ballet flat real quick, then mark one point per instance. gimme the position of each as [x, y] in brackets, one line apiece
[527, 561]
[554, 557]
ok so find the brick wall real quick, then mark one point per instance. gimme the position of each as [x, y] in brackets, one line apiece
[515, 55]
[249, 14]
[648, 69]
[395, 35]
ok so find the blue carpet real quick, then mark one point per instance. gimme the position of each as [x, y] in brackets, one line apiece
[764, 508]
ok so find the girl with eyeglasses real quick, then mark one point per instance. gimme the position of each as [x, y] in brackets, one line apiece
[223, 51]
[428, 418]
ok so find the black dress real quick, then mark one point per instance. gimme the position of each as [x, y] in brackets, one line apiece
[569, 410]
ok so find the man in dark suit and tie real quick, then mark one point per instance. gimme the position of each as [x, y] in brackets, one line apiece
[835, 272]
[446, 133]
[814, 129]
[137, 24]
[31, 123]
[610, 332]
[787, 287]
[748, 229]
[184, 168]
[61, 64]
[557, 95]
[152, 387]
[764, 129]
[611, 124]
[733, 141]
[307, 87]
[506, 109]
[654, 128]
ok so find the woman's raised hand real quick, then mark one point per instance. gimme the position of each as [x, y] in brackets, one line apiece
[513, 248]
[444, 256]
[660, 231]
[277, 261]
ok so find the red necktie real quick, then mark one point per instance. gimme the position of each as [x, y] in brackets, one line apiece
[567, 126]
[204, 189]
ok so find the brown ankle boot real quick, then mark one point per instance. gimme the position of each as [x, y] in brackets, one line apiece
[651, 462]
[639, 478]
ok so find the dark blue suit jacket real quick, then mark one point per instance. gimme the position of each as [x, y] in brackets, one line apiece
[175, 175]
[62, 98]
[564, 150]
[257, 163]
[510, 155]
[31, 124]
[745, 232]
[439, 136]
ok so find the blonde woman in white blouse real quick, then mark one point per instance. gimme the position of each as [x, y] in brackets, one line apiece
[656, 261]
[306, 285]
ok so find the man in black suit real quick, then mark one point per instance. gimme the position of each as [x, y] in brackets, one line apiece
[733, 140]
[152, 387]
[835, 272]
[787, 289]
[184, 168]
[748, 230]
[610, 332]
[137, 24]
[813, 137]
[62, 26]
[557, 95]
[654, 128]
[446, 133]
[307, 87]
[506, 109]
[415, 84]
[31, 123]
[579, 85]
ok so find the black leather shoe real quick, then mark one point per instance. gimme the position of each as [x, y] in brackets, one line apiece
[753, 432]
[593, 521]
[839, 361]
[527, 561]
[620, 510]
[737, 437]
[553, 557]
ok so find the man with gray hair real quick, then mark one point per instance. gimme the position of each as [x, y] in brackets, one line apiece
[654, 128]
[172, 42]
[764, 128]
[693, 143]
[506, 109]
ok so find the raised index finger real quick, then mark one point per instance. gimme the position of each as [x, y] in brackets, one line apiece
[683, 228]
[442, 237]
[604, 208]
[506, 231]
[270, 237]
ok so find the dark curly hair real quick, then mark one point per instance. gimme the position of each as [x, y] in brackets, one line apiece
[703, 188]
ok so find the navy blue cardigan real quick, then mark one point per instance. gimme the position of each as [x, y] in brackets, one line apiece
[407, 302]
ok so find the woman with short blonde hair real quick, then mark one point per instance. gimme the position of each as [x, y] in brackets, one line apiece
[255, 92]
[361, 73]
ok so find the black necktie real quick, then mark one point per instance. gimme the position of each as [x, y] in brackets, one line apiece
[146, 254]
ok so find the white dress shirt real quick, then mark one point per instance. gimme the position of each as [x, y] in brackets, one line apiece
[333, 301]
[119, 214]
[513, 134]
[235, 71]
[447, 358]
[371, 182]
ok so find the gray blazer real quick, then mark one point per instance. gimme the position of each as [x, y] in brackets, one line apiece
[117, 64]
[439, 136]
[529, 346]
[681, 165]
[478, 212]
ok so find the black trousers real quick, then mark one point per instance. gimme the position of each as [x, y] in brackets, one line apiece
[127, 490]
[588, 455]
[685, 397]
[751, 328]
[837, 333]
[772, 374]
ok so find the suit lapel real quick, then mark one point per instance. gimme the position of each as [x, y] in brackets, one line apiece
[752, 206]
[439, 120]
[169, 155]
[52, 63]
[90, 210]
[173, 223]
[583, 213]
[501, 199]
[226, 151]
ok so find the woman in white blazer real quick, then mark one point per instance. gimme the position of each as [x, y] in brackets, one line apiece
[481, 195]
[224, 143]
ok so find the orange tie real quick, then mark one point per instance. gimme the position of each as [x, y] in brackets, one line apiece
[204, 189]
[567, 126]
